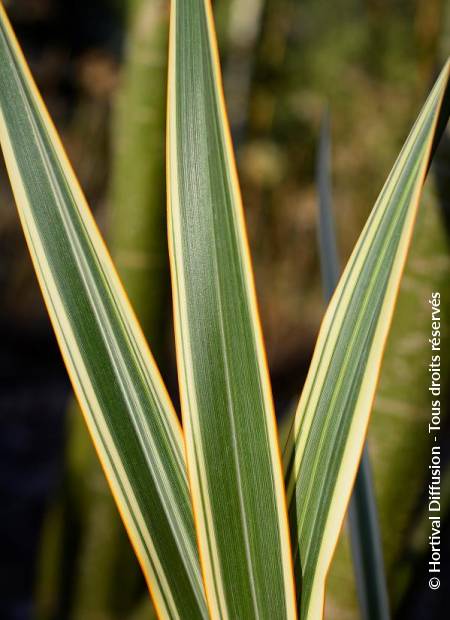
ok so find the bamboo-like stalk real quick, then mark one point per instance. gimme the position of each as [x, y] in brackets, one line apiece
[138, 237]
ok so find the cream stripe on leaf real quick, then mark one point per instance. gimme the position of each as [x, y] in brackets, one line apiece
[327, 437]
[127, 410]
[232, 451]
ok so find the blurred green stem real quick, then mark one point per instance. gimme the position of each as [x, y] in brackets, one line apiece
[138, 237]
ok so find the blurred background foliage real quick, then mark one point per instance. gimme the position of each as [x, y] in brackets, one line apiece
[101, 67]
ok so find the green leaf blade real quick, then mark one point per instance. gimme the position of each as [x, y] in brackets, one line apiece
[332, 416]
[363, 524]
[328, 254]
[126, 407]
[232, 450]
